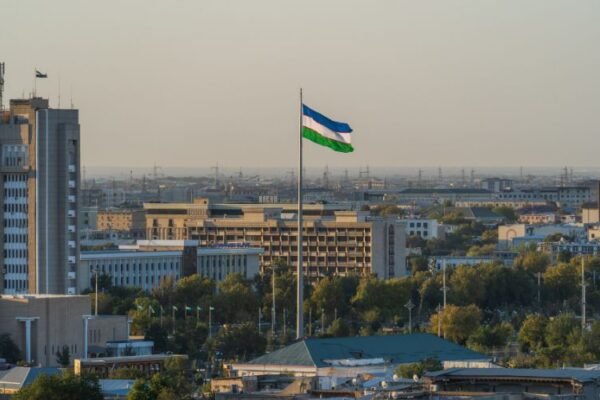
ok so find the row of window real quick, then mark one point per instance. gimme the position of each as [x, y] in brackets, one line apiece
[16, 285]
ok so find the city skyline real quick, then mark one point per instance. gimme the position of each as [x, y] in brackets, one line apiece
[474, 84]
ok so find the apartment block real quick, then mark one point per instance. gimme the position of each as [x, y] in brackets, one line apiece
[337, 240]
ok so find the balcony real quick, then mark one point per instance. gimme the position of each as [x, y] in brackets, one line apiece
[72, 259]
[71, 228]
[71, 244]
[72, 213]
[71, 275]
[71, 290]
[72, 168]
[71, 199]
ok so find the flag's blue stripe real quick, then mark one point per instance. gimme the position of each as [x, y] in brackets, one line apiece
[335, 126]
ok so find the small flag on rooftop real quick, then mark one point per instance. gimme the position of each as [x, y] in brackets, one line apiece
[39, 74]
[324, 131]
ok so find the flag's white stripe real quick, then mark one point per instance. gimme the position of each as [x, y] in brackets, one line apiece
[326, 132]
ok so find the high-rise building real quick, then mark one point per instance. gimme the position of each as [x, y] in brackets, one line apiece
[39, 174]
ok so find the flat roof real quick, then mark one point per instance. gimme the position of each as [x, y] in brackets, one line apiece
[578, 374]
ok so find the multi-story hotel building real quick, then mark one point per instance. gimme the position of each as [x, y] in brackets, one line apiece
[39, 174]
[337, 241]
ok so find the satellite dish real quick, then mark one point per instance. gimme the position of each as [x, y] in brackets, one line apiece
[395, 377]
[416, 378]
[384, 384]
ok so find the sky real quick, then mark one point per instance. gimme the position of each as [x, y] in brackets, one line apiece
[192, 83]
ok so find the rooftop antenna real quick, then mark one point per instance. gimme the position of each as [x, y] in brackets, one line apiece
[326, 177]
[464, 178]
[472, 176]
[440, 177]
[1, 85]
[420, 176]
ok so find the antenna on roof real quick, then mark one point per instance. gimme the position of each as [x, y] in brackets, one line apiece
[1, 85]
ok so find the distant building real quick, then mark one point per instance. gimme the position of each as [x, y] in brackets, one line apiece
[102, 366]
[514, 383]
[147, 263]
[573, 248]
[334, 360]
[441, 262]
[509, 235]
[15, 379]
[338, 241]
[424, 228]
[40, 174]
[538, 218]
[482, 215]
[564, 196]
[496, 184]
[131, 222]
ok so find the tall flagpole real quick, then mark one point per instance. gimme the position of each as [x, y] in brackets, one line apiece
[299, 267]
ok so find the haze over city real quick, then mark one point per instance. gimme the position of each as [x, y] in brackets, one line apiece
[190, 84]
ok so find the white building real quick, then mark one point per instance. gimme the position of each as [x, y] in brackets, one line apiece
[146, 264]
[424, 228]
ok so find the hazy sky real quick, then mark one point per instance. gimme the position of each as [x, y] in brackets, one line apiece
[190, 83]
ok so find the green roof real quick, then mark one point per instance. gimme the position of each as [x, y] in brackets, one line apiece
[395, 349]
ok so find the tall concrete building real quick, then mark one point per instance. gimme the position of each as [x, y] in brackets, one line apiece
[39, 173]
[337, 240]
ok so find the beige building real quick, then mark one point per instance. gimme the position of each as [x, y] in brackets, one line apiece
[41, 325]
[337, 241]
[122, 220]
[39, 174]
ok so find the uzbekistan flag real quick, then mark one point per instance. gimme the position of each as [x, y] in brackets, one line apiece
[326, 132]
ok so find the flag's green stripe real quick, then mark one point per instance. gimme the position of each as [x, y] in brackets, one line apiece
[323, 141]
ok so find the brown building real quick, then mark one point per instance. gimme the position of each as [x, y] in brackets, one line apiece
[122, 220]
[337, 241]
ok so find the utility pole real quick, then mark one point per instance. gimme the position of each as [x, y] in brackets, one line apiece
[259, 318]
[96, 299]
[273, 311]
[444, 288]
[583, 322]
[439, 310]
[409, 306]
[310, 322]
[284, 322]
[539, 288]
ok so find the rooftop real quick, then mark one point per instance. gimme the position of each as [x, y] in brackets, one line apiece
[395, 349]
[577, 374]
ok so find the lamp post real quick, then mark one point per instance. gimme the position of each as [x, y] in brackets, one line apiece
[409, 306]
[210, 310]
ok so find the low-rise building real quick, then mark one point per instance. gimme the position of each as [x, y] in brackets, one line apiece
[566, 383]
[334, 360]
[509, 235]
[147, 263]
[538, 218]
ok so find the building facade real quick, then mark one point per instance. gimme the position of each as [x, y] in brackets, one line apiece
[40, 174]
[336, 242]
[130, 221]
[148, 263]
[424, 228]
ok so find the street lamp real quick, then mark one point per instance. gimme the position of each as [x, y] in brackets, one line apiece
[409, 306]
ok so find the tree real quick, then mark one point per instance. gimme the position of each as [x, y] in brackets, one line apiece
[533, 261]
[561, 281]
[419, 369]
[236, 300]
[63, 356]
[328, 295]
[65, 386]
[486, 338]
[240, 342]
[194, 290]
[126, 373]
[338, 328]
[170, 383]
[465, 286]
[8, 349]
[457, 323]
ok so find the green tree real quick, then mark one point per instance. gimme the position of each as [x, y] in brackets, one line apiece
[560, 282]
[457, 323]
[126, 373]
[338, 328]
[8, 349]
[240, 342]
[63, 356]
[236, 301]
[465, 286]
[419, 369]
[533, 261]
[532, 335]
[65, 386]
[486, 338]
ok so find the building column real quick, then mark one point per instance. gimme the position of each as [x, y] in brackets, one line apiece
[27, 321]
[86, 319]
